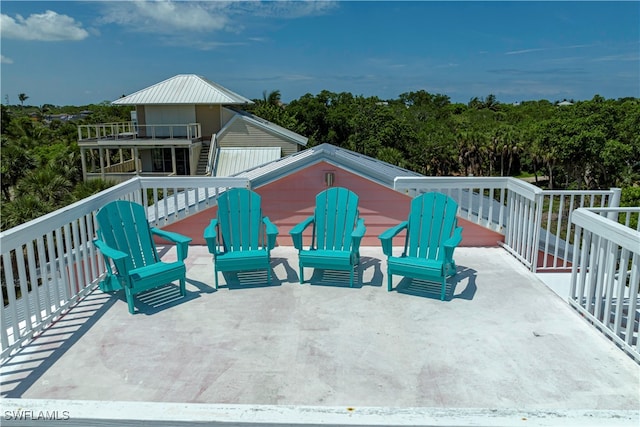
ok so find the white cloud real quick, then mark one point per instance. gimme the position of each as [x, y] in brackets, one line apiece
[5, 60]
[167, 17]
[47, 26]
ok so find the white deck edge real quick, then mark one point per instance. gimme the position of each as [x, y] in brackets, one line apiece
[88, 413]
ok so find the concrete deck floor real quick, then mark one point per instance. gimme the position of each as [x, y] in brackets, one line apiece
[501, 340]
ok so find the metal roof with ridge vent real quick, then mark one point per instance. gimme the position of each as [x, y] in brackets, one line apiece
[184, 89]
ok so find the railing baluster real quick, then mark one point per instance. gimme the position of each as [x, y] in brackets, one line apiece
[621, 284]
[34, 297]
[62, 268]
[4, 337]
[45, 273]
[573, 291]
[633, 302]
[24, 289]
[11, 293]
[56, 274]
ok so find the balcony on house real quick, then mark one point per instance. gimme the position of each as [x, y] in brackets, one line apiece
[128, 132]
[540, 324]
[150, 149]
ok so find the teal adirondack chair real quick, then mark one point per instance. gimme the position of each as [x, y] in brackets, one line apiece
[432, 234]
[337, 232]
[126, 242]
[240, 238]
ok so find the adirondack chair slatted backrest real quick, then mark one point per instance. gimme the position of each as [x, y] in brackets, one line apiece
[432, 221]
[240, 220]
[336, 214]
[123, 225]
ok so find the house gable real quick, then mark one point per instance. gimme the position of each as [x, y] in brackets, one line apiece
[240, 132]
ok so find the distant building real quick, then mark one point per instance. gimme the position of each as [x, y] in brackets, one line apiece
[185, 125]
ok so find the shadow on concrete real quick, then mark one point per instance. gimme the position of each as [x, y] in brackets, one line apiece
[161, 298]
[25, 368]
[251, 279]
[428, 289]
[339, 278]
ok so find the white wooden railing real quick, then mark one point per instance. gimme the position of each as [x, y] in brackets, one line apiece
[605, 276]
[50, 263]
[535, 222]
[131, 130]
[556, 250]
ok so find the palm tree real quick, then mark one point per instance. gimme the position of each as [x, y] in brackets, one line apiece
[16, 162]
[272, 99]
[88, 188]
[22, 209]
[22, 97]
[46, 184]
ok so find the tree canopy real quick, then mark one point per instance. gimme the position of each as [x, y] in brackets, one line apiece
[584, 145]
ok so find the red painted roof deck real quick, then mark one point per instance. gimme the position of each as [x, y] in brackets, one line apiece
[290, 199]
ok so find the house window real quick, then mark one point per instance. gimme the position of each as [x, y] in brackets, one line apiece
[162, 160]
[182, 161]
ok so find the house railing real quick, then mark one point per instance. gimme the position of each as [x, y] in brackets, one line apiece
[106, 132]
[213, 147]
[123, 167]
[605, 275]
[535, 222]
[50, 263]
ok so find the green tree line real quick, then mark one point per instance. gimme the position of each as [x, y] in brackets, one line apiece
[40, 166]
[586, 145]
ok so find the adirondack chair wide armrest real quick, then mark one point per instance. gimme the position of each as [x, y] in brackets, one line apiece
[358, 233]
[182, 242]
[272, 232]
[296, 232]
[118, 258]
[210, 235]
[108, 251]
[452, 242]
[386, 238]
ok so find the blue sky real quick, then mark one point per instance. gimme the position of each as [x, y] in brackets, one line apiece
[76, 53]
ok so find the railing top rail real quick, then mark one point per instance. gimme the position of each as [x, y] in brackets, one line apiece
[521, 187]
[577, 192]
[616, 209]
[138, 124]
[410, 182]
[602, 226]
[92, 125]
[524, 188]
[193, 181]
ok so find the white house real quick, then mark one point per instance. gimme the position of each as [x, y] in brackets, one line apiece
[185, 125]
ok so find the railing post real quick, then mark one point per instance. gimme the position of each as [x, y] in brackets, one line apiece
[539, 201]
[614, 202]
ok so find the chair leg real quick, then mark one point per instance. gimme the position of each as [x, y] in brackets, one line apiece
[444, 288]
[389, 281]
[351, 278]
[301, 268]
[215, 273]
[183, 287]
[268, 275]
[129, 295]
